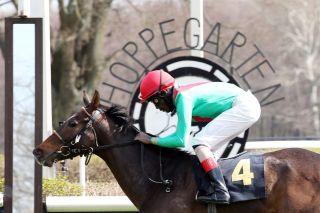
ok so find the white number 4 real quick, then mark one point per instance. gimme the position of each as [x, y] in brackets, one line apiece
[246, 175]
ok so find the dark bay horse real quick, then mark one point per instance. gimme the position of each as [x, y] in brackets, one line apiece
[292, 176]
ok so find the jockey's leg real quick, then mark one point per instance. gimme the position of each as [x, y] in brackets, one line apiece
[220, 194]
[244, 113]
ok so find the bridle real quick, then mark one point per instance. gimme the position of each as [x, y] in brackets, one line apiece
[96, 117]
[67, 148]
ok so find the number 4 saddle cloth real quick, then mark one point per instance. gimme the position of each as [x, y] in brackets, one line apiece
[243, 174]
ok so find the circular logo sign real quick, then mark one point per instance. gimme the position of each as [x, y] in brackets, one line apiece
[185, 70]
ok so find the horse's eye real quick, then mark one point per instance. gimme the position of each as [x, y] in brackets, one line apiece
[61, 123]
[72, 123]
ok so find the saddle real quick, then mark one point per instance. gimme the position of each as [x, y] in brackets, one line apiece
[243, 174]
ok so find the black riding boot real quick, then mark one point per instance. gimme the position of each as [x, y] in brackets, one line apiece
[220, 194]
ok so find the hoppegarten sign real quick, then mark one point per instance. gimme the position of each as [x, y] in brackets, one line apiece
[224, 61]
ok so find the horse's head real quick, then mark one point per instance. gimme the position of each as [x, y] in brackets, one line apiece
[76, 136]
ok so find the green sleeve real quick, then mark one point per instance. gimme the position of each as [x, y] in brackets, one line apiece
[184, 112]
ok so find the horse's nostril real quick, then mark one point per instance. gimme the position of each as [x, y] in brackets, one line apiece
[37, 153]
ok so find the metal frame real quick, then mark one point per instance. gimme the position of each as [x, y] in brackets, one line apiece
[8, 145]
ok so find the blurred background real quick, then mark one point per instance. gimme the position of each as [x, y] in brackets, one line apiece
[276, 55]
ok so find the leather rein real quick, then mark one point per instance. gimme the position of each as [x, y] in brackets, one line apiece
[96, 117]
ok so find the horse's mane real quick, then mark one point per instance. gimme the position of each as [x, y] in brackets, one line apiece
[119, 115]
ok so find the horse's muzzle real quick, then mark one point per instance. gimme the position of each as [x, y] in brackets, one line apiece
[42, 159]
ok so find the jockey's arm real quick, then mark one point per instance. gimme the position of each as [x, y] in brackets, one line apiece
[180, 137]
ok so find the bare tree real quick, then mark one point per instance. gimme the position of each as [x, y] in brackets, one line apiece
[304, 22]
[78, 52]
[78, 56]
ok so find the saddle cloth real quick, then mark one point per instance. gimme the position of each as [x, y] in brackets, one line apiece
[243, 174]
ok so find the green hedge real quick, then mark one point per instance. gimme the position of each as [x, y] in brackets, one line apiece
[1, 184]
[58, 186]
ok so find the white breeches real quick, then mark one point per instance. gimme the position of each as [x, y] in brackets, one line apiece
[229, 124]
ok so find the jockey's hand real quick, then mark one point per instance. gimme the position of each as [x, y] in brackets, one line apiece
[143, 137]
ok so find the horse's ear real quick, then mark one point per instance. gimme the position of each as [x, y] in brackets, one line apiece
[95, 101]
[85, 98]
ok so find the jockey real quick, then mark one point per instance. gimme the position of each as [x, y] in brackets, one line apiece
[227, 109]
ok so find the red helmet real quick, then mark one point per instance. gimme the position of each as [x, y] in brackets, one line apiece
[155, 82]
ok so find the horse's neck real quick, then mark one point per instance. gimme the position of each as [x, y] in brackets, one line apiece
[124, 162]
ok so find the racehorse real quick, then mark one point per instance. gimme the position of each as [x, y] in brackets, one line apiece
[292, 176]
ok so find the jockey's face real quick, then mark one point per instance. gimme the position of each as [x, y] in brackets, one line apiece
[160, 104]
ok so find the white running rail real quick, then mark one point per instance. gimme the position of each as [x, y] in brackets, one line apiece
[90, 204]
[282, 144]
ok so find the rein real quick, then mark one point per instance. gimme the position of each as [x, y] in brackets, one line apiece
[66, 150]
[110, 146]
[166, 182]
